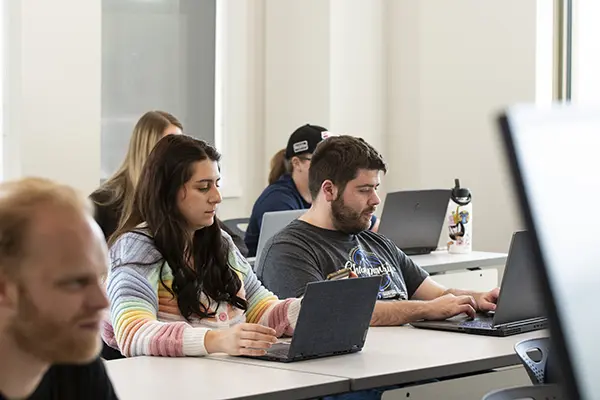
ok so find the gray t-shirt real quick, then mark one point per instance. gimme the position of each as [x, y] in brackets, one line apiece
[303, 253]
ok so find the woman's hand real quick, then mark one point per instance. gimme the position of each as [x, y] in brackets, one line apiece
[240, 340]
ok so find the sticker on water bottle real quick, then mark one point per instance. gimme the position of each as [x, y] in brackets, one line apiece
[456, 225]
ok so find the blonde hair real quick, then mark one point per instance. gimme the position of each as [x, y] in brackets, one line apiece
[19, 200]
[147, 132]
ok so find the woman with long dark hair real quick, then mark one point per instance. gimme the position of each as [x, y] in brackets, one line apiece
[114, 198]
[177, 284]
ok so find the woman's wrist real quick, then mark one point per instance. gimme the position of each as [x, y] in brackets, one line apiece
[212, 341]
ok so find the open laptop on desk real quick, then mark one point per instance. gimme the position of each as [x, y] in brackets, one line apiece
[273, 222]
[334, 319]
[553, 155]
[413, 219]
[519, 307]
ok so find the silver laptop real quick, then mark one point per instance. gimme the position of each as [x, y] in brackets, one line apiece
[413, 219]
[519, 309]
[273, 222]
[555, 162]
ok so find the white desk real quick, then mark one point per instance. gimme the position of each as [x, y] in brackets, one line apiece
[160, 378]
[442, 261]
[397, 355]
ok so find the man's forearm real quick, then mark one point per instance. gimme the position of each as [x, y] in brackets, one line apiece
[392, 313]
[460, 292]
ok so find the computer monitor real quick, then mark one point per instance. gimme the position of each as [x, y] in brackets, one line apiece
[554, 154]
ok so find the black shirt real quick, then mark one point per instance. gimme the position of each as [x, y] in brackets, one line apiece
[74, 382]
[107, 216]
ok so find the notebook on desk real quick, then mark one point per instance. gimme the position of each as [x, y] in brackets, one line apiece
[334, 319]
[413, 219]
[519, 307]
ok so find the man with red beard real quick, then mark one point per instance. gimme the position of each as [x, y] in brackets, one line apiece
[52, 261]
[343, 180]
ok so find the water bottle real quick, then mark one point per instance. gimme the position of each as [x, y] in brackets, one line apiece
[460, 220]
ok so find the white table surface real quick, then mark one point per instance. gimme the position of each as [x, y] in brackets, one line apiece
[160, 378]
[394, 355]
[442, 261]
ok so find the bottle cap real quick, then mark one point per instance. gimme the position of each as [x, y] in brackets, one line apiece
[461, 196]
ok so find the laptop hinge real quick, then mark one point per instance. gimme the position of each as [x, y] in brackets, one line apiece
[521, 322]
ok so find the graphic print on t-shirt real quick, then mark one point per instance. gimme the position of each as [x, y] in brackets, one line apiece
[364, 264]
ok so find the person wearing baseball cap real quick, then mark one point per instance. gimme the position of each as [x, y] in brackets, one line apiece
[288, 180]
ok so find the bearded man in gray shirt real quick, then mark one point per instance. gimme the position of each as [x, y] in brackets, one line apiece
[344, 177]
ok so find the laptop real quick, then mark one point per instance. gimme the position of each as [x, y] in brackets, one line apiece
[334, 319]
[273, 222]
[554, 159]
[519, 308]
[413, 220]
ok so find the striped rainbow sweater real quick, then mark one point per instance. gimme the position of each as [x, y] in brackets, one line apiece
[144, 317]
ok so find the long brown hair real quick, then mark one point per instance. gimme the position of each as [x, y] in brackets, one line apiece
[147, 132]
[279, 166]
[169, 166]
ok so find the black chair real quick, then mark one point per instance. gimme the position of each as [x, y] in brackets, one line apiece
[535, 392]
[108, 353]
[234, 225]
[535, 369]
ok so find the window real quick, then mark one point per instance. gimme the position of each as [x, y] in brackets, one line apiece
[3, 51]
[156, 55]
[585, 55]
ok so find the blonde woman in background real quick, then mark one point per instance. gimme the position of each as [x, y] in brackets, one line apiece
[115, 197]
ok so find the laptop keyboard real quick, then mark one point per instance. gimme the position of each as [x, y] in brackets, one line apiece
[478, 323]
[279, 350]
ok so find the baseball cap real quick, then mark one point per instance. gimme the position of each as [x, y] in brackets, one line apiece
[305, 140]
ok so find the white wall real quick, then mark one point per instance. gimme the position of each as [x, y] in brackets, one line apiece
[243, 122]
[296, 68]
[453, 66]
[52, 109]
[422, 81]
[586, 52]
[316, 61]
[358, 69]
